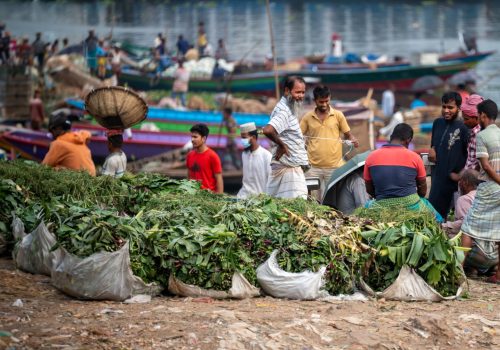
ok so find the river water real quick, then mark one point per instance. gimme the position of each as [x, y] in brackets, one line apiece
[301, 27]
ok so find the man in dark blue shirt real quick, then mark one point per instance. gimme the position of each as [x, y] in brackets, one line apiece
[450, 138]
[182, 46]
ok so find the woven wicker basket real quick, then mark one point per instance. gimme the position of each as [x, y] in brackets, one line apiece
[116, 107]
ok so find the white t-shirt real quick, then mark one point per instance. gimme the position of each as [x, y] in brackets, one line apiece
[256, 170]
[115, 164]
[396, 119]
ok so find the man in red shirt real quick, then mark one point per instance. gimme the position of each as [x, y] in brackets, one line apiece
[203, 163]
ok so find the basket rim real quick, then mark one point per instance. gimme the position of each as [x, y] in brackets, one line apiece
[121, 88]
[141, 104]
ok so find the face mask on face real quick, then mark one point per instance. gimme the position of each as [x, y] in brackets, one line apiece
[245, 143]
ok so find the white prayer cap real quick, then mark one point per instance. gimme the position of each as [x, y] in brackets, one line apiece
[248, 127]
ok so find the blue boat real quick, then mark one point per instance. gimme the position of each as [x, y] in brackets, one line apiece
[208, 117]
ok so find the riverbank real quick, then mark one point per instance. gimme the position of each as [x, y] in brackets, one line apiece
[49, 319]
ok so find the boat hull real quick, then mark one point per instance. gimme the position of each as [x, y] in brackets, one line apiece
[342, 79]
[143, 144]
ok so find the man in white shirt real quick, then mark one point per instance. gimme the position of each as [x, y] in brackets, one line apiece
[256, 163]
[116, 162]
[290, 159]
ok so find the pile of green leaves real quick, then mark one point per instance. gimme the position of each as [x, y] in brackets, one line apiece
[414, 239]
[175, 228]
[44, 184]
[12, 198]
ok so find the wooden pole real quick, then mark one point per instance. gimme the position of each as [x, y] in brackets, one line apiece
[273, 50]
[228, 88]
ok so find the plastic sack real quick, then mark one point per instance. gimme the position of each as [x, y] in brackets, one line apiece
[18, 228]
[281, 284]
[101, 276]
[240, 289]
[33, 253]
[409, 286]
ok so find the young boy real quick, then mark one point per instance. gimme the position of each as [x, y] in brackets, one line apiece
[116, 162]
[203, 163]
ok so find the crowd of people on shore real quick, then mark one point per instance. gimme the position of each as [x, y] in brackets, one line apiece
[102, 52]
[20, 51]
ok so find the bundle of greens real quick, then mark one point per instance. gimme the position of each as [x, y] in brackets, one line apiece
[414, 239]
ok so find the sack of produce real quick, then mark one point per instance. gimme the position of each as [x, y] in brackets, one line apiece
[414, 259]
[101, 276]
[34, 252]
[240, 289]
[277, 283]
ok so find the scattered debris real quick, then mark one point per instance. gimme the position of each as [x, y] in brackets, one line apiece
[18, 303]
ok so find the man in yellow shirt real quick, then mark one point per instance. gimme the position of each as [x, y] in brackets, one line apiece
[322, 128]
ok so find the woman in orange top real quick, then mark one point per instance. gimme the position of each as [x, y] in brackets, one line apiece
[69, 149]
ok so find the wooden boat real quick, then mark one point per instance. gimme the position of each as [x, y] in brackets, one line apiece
[355, 78]
[35, 144]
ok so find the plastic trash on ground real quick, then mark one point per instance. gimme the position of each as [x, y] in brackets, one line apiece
[409, 286]
[278, 283]
[101, 276]
[240, 289]
[34, 252]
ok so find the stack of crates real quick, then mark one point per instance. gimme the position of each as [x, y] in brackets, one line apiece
[16, 90]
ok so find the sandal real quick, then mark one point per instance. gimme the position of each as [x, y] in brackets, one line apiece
[493, 279]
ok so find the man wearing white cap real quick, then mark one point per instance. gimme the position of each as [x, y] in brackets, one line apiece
[256, 163]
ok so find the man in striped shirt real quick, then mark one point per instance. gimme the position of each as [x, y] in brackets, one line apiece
[481, 226]
[289, 159]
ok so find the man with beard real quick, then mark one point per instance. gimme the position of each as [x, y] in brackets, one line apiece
[256, 163]
[289, 159]
[203, 163]
[481, 226]
[449, 141]
[322, 128]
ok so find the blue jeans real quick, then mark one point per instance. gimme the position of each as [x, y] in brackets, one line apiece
[181, 95]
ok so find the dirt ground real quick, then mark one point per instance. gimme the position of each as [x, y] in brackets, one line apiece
[48, 319]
